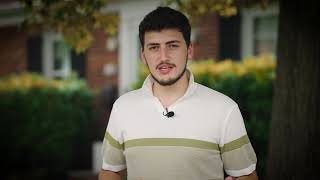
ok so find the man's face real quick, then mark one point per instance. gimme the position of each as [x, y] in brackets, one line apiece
[166, 53]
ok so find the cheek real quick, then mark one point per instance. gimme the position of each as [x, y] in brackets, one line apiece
[153, 56]
[148, 62]
[151, 59]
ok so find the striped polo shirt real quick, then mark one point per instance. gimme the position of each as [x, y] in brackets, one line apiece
[205, 138]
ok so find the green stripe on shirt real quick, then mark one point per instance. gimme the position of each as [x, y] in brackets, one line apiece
[171, 142]
[113, 142]
[235, 144]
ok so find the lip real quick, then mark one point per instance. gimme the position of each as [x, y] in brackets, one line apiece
[165, 65]
[165, 68]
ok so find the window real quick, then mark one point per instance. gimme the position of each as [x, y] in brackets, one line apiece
[259, 31]
[56, 57]
[62, 67]
[265, 35]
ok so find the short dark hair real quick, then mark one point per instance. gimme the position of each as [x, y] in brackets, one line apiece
[165, 18]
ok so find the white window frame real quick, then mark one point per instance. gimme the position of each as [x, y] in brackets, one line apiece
[48, 56]
[130, 14]
[247, 27]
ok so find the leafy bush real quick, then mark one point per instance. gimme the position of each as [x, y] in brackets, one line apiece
[249, 83]
[42, 121]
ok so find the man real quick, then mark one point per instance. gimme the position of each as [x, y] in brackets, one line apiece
[173, 128]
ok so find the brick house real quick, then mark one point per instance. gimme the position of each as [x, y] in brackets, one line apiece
[111, 63]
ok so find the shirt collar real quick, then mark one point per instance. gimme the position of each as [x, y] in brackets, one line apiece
[148, 82]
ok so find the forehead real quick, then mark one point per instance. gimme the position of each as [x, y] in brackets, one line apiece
[163, 36]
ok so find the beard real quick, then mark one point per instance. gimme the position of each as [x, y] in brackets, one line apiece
[170, 81]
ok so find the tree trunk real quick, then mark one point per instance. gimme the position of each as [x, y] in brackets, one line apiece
[294, 149]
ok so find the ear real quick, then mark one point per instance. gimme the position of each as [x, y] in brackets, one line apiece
[143, 57]
[190, 51]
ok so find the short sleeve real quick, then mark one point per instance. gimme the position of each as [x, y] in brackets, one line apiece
[237, 153]
[112, 149]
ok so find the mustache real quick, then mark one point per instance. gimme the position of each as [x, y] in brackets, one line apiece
[165, 63]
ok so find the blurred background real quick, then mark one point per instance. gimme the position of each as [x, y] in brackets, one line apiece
[63, 64]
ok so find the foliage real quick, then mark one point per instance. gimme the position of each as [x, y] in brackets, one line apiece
[75, 20]
[197, 8]
[249, 83]
[25, 82]
[43, 123]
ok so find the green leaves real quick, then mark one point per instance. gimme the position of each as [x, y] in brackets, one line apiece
[76, 20]
[41, 125]
[197, 8]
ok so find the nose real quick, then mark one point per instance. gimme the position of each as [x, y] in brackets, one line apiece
[163, 54]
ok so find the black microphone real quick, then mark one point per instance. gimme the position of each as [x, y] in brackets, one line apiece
[168, 114]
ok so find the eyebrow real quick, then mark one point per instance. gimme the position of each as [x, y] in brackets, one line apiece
[169, 42]
[152, 44]
[174, 41]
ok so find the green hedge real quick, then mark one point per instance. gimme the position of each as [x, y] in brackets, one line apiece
[42, 124]
[248, 82]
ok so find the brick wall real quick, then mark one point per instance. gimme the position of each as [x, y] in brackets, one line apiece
[206, 44]
[96, 57]
[12, 50]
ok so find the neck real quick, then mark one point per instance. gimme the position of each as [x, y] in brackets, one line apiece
[169, 94]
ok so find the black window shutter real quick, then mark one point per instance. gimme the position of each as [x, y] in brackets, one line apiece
[230, 31]
[34, 53]
[78, 63]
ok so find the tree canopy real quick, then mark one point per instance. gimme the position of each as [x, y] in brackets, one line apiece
[76, 20]
[226, 8]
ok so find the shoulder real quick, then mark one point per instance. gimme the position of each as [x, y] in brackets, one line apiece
[130, 98]
[212, 96]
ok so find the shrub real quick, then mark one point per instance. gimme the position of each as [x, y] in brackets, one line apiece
[42, 121]
[249, 83]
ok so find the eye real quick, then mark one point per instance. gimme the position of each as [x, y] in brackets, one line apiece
[173, 46]
[153, 48]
